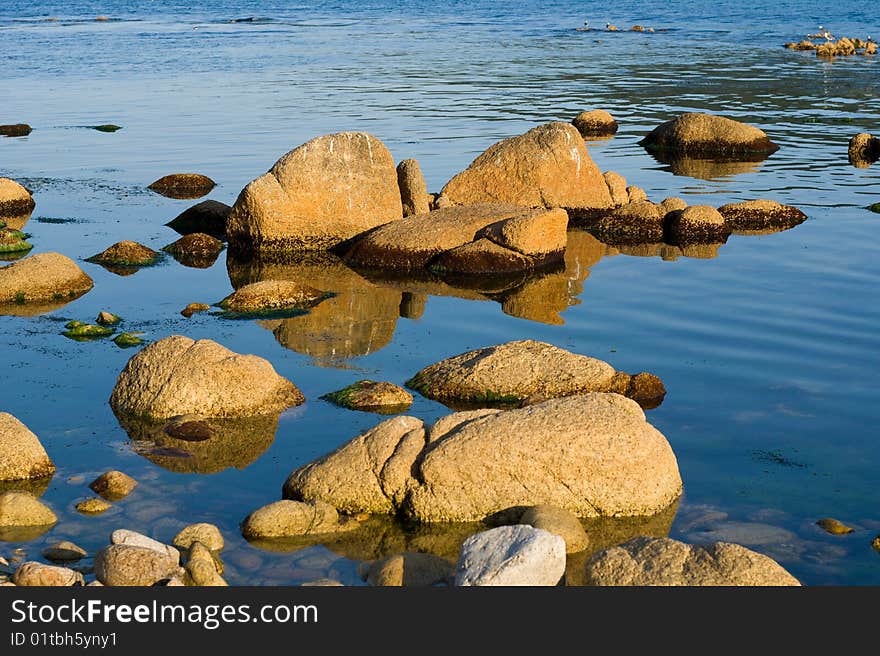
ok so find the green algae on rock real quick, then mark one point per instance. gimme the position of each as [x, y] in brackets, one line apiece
[371, 396]
[125, 340]
[85, 331]
[108, 319]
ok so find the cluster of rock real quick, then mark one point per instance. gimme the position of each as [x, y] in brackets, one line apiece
[841, 47]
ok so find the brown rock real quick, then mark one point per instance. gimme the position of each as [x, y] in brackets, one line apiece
[413, 242]
[616, 187]
[126, 254]
[291, 518]
[177, 376]
[32, 573]
[23, 455]
[372, 396]
[197, 250]
[662, 561]
[644, 388]
[64, 552]
[42, 278]
[635, 223]
[15, 130]
[183, 185]
[113, 485]
[192, 308]
[208, 217]
[801, 45]
[559, 522]
[510, 373]
[863, 149]
[23, 509]
[671, 204]
[635, 194]
[126, 565]
[15, 200]
[761, 215]
[834, 526]
[318, 195]
[92, 506]
[413, 190]
[206, 534]
[595, 123]
[696, 224]
[548, 166]
[409, 570]
[699, 133]
[482, 257]
[272, 295]
[534, 234]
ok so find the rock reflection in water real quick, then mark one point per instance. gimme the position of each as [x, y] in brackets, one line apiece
[667, 252]
[15, 222]
[34, 486]
[382, 536]
[707, 169]
[233, 443]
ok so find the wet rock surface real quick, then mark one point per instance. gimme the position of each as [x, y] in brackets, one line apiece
[15, 200]
[761, 215]
[183, 185]
[198, 250]
[700, 133]
[32, 573]
[208, 217]
[126, 254]
[268, 295]
[372, 396]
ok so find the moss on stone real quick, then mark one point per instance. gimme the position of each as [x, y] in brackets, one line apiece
[86, 331]
[124, 340]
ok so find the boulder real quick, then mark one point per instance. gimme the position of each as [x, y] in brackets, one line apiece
[511, 556]
[606, 460]
[206, 534]
[557, 521]
[414, 242]
[198, 250]
[512, 372]
[269, 295]
[644, 388]
[284, 519]
[208, 217]
[634, 194]
[863, 149]
[183, 185]
[178, 375]
[662, 561]
[15, 130]
[481, 257]
[616, 187]
[372, 396]
[548, 166]
[634, 223]
[42, 278]
[125, 565]
[316, 196]
[127, 538]
[696, 224]
[15, 200]
[700, 133]
[413, 190]
[23, 455]
[126, 254]
[761, 215]
[671, 204]
[23, 509]
[408, 570]
[595, 123]
[113, 485]
[64, 552]
[32, 573]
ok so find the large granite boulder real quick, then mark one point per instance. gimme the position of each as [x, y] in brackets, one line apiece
[593, 455]
[23, 456]
[699, 133]
[179, 376]
[548, 166]
[663, 561]
[318, 195]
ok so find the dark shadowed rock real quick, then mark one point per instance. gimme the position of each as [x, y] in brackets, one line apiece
[183, 185]
[208, 217]
[198, 250]
[15, 130]
[700, 133]
[761, 216]
[633, 223]
[864, 149]
[644, 388]
[15, 200]
[696, 224]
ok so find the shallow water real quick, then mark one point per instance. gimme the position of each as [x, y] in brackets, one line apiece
[768, 351]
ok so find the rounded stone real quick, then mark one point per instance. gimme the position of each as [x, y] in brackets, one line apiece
[125, 565]
[557, 521]
[511, 556]
[595, 123]
[24, 455]
[372, 396]
[267, 295]
[207, 534]
[23, 509]
[63, 552]
[696, 224]
[113, 485]
[45, 277]
[15, 200]
[183, 185]
[761, 215]
[32, 573]
[701, 133]
[127, 254]
[93, 506]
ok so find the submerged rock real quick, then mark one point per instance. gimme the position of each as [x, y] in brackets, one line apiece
[318, 195]
[23, 455]
[106, 127]
[15, 200]
[206, 534]
[413, 192]
[606, 460]
[761, 215]
[696, 224]
[268, 295]
[198, 250]
[864, 149]
[286, 518]
[125, 565]
[183, 185]
[126, 254]
[43, 278]
[208, 217]
[64, 552]
[663, 561]
[32, 573]
[192, 308]
[16, 130]
[93, 506]
[595, 123]
[371, 396]
[700, 133]
[408, 570]
[511, 555]
[548, 166]
[834, 526]
[113, 485]
[511, 373]
[178, 375]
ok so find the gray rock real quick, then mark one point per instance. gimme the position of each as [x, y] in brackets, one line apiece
[511, 555]
[32, 573]
[126, 565]
[129, 538]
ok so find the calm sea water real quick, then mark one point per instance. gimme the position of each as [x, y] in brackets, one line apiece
[769, 351]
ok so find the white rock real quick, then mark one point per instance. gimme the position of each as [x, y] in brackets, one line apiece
[511, 555]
